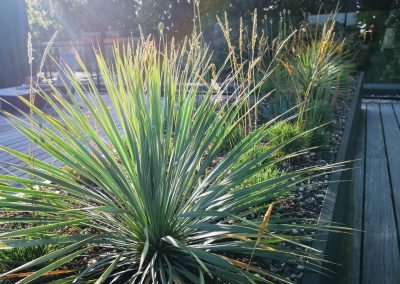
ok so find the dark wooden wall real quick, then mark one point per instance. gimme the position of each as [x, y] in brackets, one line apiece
[13, 43]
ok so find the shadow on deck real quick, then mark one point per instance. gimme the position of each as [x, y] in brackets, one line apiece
[11, 138]
[377, 194]
[369, 198]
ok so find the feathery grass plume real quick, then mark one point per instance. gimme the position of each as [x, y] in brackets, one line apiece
[251, 71]
[253, 46]
[241, 39]
[154, 206]
[226, 32]
[30, 49]
[254, 31]
[320, 69]
[32, 84]
[197, 17]
[31, 146]
[46, 53]
[237, 67]
[264, 223]
[237, 61]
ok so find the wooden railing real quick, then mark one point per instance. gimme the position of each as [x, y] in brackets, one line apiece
[86, 46]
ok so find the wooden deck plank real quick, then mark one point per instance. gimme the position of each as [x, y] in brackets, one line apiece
[10, 137]
[392, 139]
[355, 259]
[16, 172]
[38, 153]
[17, 144]
[381, 255]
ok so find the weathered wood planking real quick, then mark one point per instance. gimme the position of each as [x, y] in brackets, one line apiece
[353, 274]
[11, 138]
[392, 141]
[381, 257]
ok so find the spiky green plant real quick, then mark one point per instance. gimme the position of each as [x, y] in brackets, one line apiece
[320, 68]
[253, 57]
[311, 70]
[150, 206]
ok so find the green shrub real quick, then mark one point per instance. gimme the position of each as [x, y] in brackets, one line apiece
[320, 138]
[15, 257]
[237, 135]
[283, 132]
[315, 118]
[319, 113]
[267, 173]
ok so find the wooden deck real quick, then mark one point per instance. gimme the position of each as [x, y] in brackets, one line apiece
[11, 138]
[376, 179]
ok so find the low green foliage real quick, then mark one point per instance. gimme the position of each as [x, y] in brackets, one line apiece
[15, 257]
[267, 173]
[294, 136]
[319, 113]
[320, 138]
[237, 135]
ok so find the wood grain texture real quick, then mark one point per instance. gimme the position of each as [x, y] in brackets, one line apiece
[11, 138]
[392, 142]
[381, 257]
[353, 274]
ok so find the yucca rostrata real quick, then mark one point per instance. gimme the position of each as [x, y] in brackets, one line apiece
[148, 204]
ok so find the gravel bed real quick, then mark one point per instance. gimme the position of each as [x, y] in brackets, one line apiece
[307, 201]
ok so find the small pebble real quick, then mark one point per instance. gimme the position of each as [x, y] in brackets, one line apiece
[310, 200]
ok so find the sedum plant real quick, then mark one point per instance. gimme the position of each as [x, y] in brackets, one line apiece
[139, 198]
[12, 258]
[284, 131]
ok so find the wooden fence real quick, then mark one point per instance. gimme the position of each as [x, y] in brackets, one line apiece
[85, 45]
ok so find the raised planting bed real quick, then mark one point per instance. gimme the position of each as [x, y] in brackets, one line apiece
[307, 201]
[385, 91]
[339, 208]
